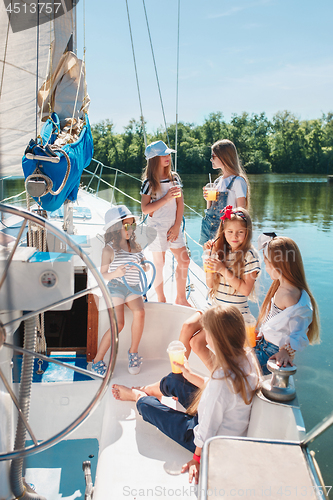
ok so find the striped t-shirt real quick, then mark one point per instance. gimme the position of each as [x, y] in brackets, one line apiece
[226, 294]
[122, 257]
[168, 211]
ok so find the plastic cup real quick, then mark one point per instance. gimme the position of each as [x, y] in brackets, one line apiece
[250, 325]
[176, 351]
[211, 192]
[207, 255]
[176, 184]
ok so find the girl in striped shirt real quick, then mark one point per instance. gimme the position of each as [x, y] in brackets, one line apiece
[231, 273]
[120, 250]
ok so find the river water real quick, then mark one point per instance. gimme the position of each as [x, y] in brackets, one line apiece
[300, 207]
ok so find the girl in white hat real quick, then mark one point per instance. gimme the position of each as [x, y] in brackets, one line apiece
[121, 249]
[162, 201]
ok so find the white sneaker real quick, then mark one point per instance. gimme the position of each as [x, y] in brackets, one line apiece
[134, 363]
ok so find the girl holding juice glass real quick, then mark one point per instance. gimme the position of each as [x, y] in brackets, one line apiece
[162, 201]
[232, 266]
[219, 406]
[288, 319]
[230, 188]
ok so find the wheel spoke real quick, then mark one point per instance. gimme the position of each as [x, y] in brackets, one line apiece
[10, 258]
[31, 314]
[20, 412]
[53, 360]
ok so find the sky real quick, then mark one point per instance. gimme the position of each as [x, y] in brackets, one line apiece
[234, 56]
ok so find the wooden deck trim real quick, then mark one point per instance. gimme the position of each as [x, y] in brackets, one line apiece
[92, 326]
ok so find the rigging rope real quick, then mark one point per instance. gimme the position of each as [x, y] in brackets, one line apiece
[136, 75]
[177, 84]
[37, 70]
[5, 54]
[157, 79]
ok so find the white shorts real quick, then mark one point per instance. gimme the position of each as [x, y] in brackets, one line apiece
[160, 243]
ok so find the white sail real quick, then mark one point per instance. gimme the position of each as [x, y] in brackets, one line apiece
[19, 82]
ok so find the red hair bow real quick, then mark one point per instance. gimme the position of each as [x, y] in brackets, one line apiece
[227, 212]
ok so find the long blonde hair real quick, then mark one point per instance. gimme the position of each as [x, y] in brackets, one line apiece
[226, 151]
[223, 249]
[285, 256]
[226, 328]
[151, 172]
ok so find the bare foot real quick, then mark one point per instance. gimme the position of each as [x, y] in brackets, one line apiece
[161, 299]
[182, 302]
[124, 393]
[151, 390]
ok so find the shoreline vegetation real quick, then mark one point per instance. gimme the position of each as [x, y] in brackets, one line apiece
[284, 144]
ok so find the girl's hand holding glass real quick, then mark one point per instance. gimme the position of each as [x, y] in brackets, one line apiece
[174, 192]
[184, 368]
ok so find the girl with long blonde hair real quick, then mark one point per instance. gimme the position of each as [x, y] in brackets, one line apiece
[288, 320]
[162, 202]
[231, 272]
[231, 187]
[220, 406]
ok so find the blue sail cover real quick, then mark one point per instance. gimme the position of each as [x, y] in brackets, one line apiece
[80, 154]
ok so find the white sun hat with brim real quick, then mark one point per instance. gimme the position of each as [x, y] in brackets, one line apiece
[157, 148]
[116, 214]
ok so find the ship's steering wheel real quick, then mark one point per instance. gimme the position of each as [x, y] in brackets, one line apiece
[10, 320]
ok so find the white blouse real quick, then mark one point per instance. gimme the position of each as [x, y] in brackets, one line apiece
[290, 326]
[220, 410]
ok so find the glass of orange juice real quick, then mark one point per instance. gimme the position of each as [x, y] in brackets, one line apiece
[176, 351]
[207, 255]
[250, 325]
[178, 184]
[211, 192]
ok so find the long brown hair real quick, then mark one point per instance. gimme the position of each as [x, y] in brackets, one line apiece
[226, 328]
[151, 172]
[285, 256]
[113, 236]
[223, 249]
[226, 151]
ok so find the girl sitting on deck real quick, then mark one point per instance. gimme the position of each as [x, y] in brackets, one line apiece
[288, 319]
[230, 188]
[219, 406]
[120, 249]
[162, 201]
[231, 272]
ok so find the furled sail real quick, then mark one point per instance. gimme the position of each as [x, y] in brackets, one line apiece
[25, 59]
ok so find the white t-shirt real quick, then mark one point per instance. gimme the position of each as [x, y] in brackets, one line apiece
[220, 410]
[167, 213]
[238, 189]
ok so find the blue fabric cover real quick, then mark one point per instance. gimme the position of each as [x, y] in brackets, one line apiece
[80, 154]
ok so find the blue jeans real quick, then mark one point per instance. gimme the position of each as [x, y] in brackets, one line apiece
[264, 350]
[175, 424]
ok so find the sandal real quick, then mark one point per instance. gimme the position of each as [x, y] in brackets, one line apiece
[99, 367]
[134, 363]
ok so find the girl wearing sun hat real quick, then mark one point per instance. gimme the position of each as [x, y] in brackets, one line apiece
[162, 201]
[121, 248]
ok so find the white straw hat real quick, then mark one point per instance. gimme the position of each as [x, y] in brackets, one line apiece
[116, 214]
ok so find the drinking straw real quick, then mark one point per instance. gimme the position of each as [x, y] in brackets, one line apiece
[210, 178]
[211, 249]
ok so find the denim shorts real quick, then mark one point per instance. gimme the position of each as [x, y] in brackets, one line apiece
[118, 289]
[264, 350]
